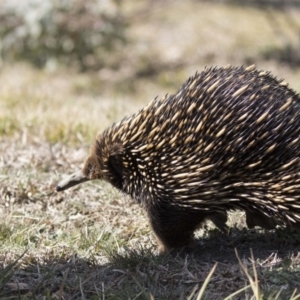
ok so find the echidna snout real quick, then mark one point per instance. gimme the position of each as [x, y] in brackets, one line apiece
[72, 180]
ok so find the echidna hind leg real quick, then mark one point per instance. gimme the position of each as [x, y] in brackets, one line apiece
[259, 219]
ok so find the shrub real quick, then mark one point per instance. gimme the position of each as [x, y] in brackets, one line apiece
[72, 32]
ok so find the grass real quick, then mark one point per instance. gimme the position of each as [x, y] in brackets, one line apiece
[92, 242]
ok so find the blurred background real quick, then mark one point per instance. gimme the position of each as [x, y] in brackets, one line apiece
[124, 53]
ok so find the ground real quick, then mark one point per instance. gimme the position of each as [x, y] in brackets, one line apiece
[92, 242]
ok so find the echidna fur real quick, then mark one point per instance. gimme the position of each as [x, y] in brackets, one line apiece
[228, 139]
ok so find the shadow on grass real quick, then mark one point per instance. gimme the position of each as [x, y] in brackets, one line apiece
[142, 274]
[220, 247]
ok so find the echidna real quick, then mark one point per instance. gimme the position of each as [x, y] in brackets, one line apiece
[228, 139]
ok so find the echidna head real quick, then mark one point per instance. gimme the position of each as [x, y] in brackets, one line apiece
[104, 163]
[90, 171]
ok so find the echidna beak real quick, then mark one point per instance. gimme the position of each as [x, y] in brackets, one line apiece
[71, 180]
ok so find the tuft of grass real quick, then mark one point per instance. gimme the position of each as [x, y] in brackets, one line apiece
[6, 274]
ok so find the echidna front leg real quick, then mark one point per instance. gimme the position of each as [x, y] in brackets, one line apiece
[219, 219]
[174, 229]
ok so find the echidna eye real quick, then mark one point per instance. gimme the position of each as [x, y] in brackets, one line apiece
[90, 168]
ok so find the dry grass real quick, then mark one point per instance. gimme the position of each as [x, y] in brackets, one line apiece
[92, 242]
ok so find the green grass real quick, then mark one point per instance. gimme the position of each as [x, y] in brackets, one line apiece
[92, 242]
